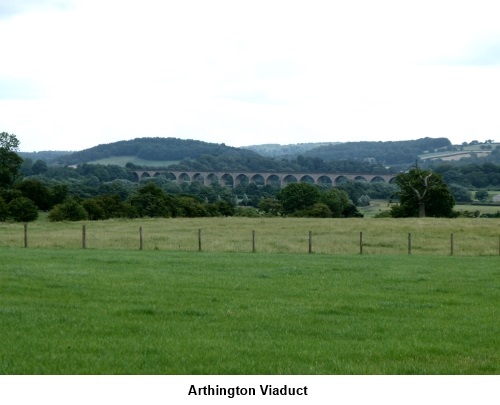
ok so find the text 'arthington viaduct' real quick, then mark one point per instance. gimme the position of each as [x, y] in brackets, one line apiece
[231, 392]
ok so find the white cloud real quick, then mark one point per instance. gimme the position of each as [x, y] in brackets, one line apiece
[248, 72]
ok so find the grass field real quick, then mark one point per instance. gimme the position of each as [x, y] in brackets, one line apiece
[123, 160]
[429, 236]
[378, 206]
[75, 311]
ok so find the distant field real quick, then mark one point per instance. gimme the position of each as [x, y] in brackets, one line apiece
[378, 206]
[123, 160]
[77, 311]
[465, 152]
[429, 236]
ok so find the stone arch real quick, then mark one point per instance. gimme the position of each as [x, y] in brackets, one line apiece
[227, 180]
[273, 180]
[145, 175]
[170, 176]
[258, 179]
[325, 181]
[198, 178]
[340, 179]
[360, 178]
[211, 178]
[306, 179]
[288, 179]
[183, 178]
[377, 179]
[241, 179]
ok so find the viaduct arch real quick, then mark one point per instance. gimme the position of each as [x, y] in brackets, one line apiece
[233, 179]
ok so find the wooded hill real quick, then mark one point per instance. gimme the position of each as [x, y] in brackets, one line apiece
[152, 149]
[205, 154]
[386, 153]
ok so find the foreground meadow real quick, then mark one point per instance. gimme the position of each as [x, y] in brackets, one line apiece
[75, 311]
[427, 236]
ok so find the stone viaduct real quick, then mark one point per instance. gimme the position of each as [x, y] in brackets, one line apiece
[233, 179]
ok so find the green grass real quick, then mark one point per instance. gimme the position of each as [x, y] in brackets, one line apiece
[123, 160]
[472, 236]
[74, 311]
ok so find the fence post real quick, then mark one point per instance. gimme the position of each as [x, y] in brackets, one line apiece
[253, 241]
[25, 235]
[84, 237]
[451, 245]
[140, 238]
[409, 243]
[361, 243]
[310, 242]
[199, 240]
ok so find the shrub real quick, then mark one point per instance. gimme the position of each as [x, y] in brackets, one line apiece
[4, 212]
[71, 210]
[22, 209]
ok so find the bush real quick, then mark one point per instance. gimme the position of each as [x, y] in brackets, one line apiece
[363, 201]
[4, 212]
[22, 209]
[71, 210]
[319, 210]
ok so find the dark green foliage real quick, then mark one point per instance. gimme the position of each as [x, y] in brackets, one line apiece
[270, 206]
[319, 210]
[10, 161]
[190, 207]
[390, 153]
[336, 200]
[486, 175]
[307, 200]
[460, 193]
[482, 195]
[22, 209]
[151, 201]
[71, 210]
[153, 149]
[39, 167]
[422, 193]
[376, 190]
[350, 211]
[298, 197]
[39, 193]
[4, 212]
[224, 208]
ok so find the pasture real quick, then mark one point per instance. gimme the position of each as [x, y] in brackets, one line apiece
[173, 309]
[76, 311]
[429, 236]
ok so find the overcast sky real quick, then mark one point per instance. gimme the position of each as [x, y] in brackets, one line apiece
[78, 73]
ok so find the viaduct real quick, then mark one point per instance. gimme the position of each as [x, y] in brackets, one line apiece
[233, 179]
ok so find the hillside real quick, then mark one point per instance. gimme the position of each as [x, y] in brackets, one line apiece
[290, 151]
[151, 149]
[183, 154]
[387, 153]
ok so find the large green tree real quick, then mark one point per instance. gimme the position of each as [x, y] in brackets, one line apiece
[422, 193]
[10, 161]
[298, 197]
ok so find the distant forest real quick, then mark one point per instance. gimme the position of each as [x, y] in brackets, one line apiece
[199, 155]
[98, 187]
[386, 153]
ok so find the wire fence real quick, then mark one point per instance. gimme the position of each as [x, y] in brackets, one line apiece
[281, 239]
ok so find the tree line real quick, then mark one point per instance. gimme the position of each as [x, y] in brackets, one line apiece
[106, 191]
